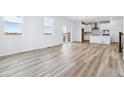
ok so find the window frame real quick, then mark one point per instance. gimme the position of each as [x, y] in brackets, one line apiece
[14, 33]
[50, 27]
[69, 31]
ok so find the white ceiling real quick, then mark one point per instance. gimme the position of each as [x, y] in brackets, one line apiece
[92, 19]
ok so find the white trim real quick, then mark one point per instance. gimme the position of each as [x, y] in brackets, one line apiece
[52, 27]
[22, 26]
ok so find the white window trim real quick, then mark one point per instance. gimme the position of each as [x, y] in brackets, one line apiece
[15, 33]
[52, 27]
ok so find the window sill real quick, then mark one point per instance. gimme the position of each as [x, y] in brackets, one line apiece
[13, 33]
[47, 33]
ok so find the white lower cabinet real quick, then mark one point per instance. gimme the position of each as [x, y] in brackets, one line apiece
[100, 39]
[95, 39]
[105, 39]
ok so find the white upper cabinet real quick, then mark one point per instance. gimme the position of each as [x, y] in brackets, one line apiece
[87, 28]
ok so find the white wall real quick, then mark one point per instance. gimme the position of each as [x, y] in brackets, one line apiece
[77, 32]
[116, 26]
[33, 37]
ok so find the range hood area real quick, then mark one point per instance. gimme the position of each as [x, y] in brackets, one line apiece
[95, 26]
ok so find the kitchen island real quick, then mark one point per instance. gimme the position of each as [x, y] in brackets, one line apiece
[100, 39]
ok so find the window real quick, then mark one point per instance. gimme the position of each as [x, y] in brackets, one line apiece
[67, 33]
[48, 25]
[65, 29]
[12, 24]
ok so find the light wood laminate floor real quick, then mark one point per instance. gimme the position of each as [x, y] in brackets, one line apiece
[68, 60]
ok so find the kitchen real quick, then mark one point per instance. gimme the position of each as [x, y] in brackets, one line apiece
[98, 32]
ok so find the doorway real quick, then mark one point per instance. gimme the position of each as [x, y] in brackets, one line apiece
[82, 35]
[67, 34]
[120, 42]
